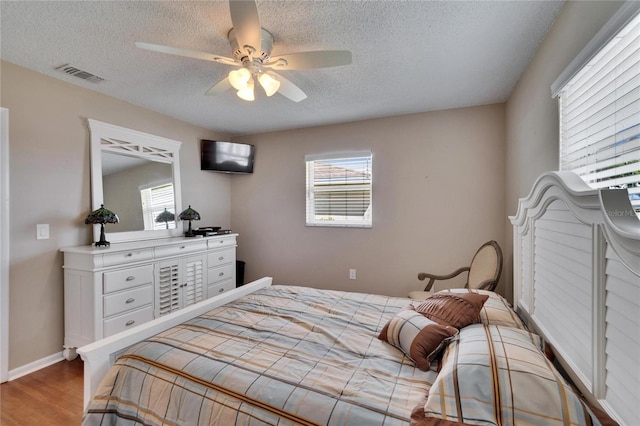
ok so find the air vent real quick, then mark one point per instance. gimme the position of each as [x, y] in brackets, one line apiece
[77, 72]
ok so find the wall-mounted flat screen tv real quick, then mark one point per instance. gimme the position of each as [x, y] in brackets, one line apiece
[227, 157]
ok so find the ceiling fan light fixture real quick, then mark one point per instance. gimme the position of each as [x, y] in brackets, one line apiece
[246, 93]
[252, 46]
[240, 78]
[269, 84]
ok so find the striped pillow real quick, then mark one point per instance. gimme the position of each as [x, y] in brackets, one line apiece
[497, 375]
[418, 337]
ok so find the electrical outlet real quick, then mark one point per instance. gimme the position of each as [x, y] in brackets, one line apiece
[352, 274]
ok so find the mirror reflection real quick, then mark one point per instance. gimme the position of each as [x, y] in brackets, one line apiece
[139, 191]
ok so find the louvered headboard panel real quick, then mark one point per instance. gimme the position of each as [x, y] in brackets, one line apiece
[577, 282]
[622, 336]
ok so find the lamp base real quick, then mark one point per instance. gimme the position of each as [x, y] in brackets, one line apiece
[189, 232]
[103, 241]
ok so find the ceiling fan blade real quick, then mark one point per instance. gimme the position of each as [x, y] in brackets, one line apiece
[220, 87]
[310, 60]
[246, 23]
[290, 90]
[185, 52]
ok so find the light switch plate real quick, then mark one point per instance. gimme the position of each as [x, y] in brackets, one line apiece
[42, 231]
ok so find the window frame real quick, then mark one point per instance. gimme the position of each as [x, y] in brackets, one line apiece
[310, 190]
[592, 164]
[148, 211]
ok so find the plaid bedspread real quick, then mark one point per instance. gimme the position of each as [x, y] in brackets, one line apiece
[283, 355]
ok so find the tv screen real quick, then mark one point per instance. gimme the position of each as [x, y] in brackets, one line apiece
[228, 157]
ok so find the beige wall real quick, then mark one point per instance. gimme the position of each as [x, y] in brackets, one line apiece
[49, 183]
[438, 195]
[531, 113]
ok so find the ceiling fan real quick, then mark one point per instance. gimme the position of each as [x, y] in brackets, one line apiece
[251, 46]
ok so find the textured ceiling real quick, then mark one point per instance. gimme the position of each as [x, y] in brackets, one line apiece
[408, 56]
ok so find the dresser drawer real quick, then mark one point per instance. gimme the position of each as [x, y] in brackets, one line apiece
[177, 249]
[220, 273]
[129, 256]
[219, 242]
[220, 287]
[221, 257]
[130, 319]
[117, 303]
[127, 278]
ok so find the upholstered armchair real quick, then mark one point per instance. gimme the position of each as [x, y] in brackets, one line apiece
[483, 272]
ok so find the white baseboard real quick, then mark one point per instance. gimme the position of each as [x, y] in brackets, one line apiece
[35, 366]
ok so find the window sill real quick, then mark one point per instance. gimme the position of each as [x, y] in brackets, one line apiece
[338, 225]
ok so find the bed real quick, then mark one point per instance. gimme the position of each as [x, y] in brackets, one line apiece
[281, 355]
[285, 355]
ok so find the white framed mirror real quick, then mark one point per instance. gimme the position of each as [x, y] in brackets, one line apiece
[136, 175]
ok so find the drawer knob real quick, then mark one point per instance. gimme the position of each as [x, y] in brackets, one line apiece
[130, 322]
[128, 254]
[221, 241]
[221, 258]
[221, 274]
[182, 247]
[130, 278]
[221, 290]
[130, 300]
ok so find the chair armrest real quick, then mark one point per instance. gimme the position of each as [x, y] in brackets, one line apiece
[487, 285]
[432, 277]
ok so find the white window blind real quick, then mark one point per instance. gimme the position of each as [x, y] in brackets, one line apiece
[154, 200]
[600, 116]
[339, 189]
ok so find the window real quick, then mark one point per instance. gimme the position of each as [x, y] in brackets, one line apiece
[154, 200]
[600, 113]
[339, 189]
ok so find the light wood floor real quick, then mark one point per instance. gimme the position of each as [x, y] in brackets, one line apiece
[51, 396]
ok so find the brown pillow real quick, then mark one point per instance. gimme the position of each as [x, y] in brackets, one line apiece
[454, 309]
[496, 311]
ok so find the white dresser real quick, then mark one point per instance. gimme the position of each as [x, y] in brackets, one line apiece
[108, 290]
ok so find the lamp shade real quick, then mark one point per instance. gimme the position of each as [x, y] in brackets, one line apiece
[269, 84]
[239, 78]
[246, 93]
[189, 214]
[166, 216]
[100, 217]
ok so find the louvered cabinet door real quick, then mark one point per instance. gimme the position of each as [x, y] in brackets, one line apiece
[168, 285]
[193, 277]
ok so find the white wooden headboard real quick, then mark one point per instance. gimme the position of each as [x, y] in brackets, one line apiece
[576, 254]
